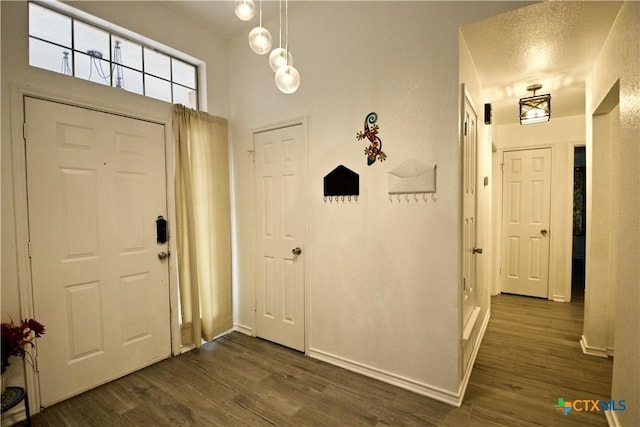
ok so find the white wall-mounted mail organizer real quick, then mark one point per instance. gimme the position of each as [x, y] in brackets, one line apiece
[341, 184]
[412, 179]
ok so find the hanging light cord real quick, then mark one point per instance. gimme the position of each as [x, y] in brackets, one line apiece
[280, 33]
[286, 31]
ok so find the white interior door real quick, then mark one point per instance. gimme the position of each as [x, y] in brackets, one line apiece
[469, 171]
[280, 171]
[96, 184]
[526, 205]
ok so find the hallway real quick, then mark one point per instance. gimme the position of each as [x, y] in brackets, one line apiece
[529, 358]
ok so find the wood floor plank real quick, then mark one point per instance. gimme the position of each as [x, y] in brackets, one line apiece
[530, 357]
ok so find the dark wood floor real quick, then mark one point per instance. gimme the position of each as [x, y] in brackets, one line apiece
[529, 358]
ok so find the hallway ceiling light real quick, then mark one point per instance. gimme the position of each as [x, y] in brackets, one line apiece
[260, 38]
[245, 9]
[535, 109]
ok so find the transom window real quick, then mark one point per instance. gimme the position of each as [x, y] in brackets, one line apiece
[67, 45]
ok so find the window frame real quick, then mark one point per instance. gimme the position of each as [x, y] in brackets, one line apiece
[114, 32]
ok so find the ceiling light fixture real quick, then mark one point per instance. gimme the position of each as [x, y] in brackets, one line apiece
[535, 109]
[245, 9]
[260, 38]
[287, 77]
[279, 57]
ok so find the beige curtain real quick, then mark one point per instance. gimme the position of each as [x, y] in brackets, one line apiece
[204, 224]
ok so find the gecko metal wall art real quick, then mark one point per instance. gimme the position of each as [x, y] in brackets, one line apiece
[374, 150]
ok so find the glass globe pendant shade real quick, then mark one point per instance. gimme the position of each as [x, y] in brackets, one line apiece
[279, 57]
[245, 9]
[260, 40]
[287, 79]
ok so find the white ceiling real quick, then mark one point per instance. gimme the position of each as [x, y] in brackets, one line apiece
[219, 15]
[553, 43]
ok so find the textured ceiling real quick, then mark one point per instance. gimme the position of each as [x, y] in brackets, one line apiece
[551, 43]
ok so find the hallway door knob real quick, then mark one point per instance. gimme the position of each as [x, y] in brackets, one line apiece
[543, 232]
[163, 255]
[296, 251]
[477, 250]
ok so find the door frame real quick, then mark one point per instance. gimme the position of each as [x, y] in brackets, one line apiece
[302, 121]
[21, 210]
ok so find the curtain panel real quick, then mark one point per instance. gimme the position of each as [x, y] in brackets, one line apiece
[203, 210]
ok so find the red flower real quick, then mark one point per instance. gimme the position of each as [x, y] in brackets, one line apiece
[16, 338]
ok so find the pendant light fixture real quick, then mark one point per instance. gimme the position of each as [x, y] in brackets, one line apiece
[535, 109]
[245, 9]
[287, 77]
[260, 38]
[279, 56]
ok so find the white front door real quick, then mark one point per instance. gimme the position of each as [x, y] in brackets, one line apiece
[526, 205]
[96, 184]
[470, 251]
[280, 219]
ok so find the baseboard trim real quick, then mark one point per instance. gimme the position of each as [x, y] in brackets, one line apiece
[472, 360]
[436, 393]
[594, 351]
[612, 419]
[243, 329]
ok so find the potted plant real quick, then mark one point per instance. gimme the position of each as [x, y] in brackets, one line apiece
[15, 339]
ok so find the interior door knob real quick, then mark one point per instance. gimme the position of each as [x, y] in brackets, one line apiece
[477, 250]
[543, 232]
[296, 251]
[163, 255]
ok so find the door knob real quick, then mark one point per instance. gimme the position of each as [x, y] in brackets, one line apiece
[477, 250]
[163, 255]
[543, 232]
[296, 251]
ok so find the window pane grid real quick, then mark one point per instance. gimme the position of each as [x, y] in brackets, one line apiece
[123, 64]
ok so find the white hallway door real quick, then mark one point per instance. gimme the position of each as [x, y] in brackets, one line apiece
[96, 184]
[280, 171]
[526, 209]
[469, 176]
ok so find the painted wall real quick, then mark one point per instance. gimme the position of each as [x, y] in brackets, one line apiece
[619, 59]
[561, 134]
[16, 73]
[383, 277]
[601, 273]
